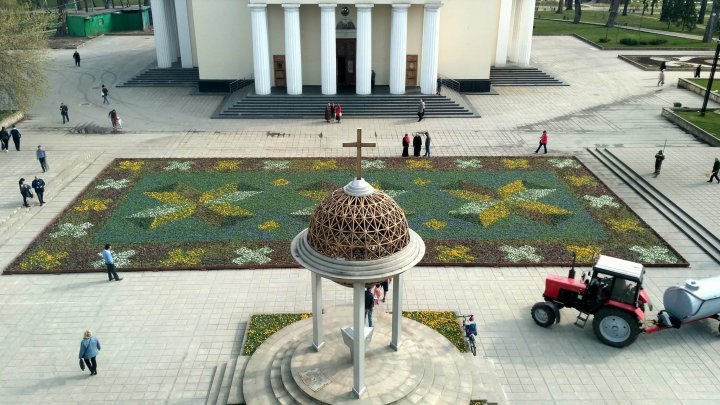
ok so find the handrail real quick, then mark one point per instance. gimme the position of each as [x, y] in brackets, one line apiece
[449, 83]
[240, 83]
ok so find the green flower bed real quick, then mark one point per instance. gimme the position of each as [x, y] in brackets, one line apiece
[163, 214]
[262, 326]
[710, 122]
[444, 322]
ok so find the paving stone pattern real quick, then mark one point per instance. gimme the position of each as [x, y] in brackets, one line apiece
[163, 334]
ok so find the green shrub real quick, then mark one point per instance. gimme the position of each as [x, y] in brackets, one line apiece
[635, 42]
[629, 41]
[603, 40]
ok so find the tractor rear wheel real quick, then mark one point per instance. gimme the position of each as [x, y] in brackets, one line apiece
[543, 314]
[615, 327]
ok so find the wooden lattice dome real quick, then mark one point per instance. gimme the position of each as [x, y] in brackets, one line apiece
[364, 226]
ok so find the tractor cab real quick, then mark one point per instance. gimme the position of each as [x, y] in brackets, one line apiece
[614, 279]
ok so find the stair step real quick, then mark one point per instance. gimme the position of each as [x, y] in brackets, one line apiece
[515, 76]
[214, 390]
[170, 77]
[235, 396]
[227, 382]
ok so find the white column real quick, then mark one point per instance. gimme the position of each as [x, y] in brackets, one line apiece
[515, 22]
[293, 58]
[160, 28]
[397, 312]
[261, 51]
[328, 53]
[363, 57]
[526, 30]
[501, 48]
[183, 26]
[317, 305]
[398, 48]
[172, 24]
[358, 339]
[430, 48]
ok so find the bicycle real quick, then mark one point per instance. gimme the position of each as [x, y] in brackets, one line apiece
[469, 337]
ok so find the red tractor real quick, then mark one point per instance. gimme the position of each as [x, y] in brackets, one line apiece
[613, 294]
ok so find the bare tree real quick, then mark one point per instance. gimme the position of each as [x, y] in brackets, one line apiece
[23, 44]
[701, 15]
[568, 4]
[578, 12]
[612, 16]
[62, 18]
[625, 6]
[712, 21]
[560, 6]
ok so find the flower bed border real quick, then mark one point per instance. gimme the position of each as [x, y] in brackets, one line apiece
[250, 266]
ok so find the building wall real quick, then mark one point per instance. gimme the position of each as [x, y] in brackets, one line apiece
[223, 38]
[310, 31]
[381, 27]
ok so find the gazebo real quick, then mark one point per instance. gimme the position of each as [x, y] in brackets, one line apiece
[358, 236]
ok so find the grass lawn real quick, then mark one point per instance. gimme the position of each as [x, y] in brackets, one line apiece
[164, 214]
[631, 20]
[704, 82]
[594, 33]
[710, 122]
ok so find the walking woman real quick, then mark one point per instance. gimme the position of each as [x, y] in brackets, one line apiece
[405, 145]
[25, 191]
[338, 113]
[89, 348]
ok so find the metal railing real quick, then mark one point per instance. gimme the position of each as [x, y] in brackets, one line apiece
[450, 83]
[240, 83]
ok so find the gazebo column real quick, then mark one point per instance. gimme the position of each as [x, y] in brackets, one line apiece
[327, 49]
[317, 304]
[397, 312]
[358, 339]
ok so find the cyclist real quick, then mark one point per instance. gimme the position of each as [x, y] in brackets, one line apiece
[470, 327]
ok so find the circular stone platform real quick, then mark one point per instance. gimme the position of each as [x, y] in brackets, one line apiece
[427, 369]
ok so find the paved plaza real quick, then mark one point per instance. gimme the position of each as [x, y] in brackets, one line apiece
[163, 333]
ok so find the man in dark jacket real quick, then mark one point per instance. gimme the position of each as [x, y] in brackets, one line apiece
[15, 133]
[417, 144]
[659, 157]
[4, 139]
[369, 304]
[76, 56]
[715, 169]
[39, 186]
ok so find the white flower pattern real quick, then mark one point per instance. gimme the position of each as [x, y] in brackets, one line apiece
[602, 201]
[276, 164]
[525, 253]
[654, 254]
[177, 165]
[372, 164]
[247, 255]
[121, 259]
[563, 163]
[75, 231]
[468, 164]
[112, 183]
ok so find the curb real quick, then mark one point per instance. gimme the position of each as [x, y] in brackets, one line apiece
[13, 119]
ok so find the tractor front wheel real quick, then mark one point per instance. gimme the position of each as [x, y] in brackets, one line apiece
[615, 327]
[543, 314]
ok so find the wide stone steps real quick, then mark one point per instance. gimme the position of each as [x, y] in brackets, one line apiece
[313, 106]
[693, 229]
[516, 76]
[170, 77]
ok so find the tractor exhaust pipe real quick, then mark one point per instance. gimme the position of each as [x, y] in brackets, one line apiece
[571, 273]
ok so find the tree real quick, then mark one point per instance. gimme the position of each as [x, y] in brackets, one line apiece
[625, 6]
[687, 15]
[612, 16]
[578, 12]
[712, 21]
[23, 45]
[568, 4]
[652, 6]
[701, 15]
[560, 6]
[62, 18]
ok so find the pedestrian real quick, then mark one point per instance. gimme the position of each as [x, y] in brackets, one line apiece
[385, 287]
[661, 78]
[42, 157]
[64, 112]
[377, 293]
[697, 71]
[113, 117]
[4, 139]
[89, 348]
[715, 169]
[427, 144]
[110, 263]
[76, 56]
[104, 92]
[439, 85]
[405, 145]
[663, 65]
[659, 157]
[421, 110]
[25, 192]
[332, 112]
[369, 304]
[39, 186]
[372, 81]
[16, 135]
[327, 113]
[543, 142]
[338, 113]
[417, 144]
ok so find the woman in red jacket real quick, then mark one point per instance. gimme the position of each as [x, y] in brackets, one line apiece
[543, 142]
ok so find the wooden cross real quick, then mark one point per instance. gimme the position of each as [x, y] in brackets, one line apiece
[358, 145]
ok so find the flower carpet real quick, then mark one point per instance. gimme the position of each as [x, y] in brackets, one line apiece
[164, 214]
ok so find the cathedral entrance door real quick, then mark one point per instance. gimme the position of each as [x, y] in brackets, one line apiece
[346, 61]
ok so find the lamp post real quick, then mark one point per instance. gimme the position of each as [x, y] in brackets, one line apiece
[710, 79]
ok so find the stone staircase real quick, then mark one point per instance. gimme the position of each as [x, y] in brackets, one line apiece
[170, 77]
[353, 106]
[517, 76]
[426, 370]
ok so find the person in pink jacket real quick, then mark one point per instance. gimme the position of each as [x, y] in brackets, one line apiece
[543, 142]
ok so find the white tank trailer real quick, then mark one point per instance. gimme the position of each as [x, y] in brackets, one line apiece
[695, 300]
